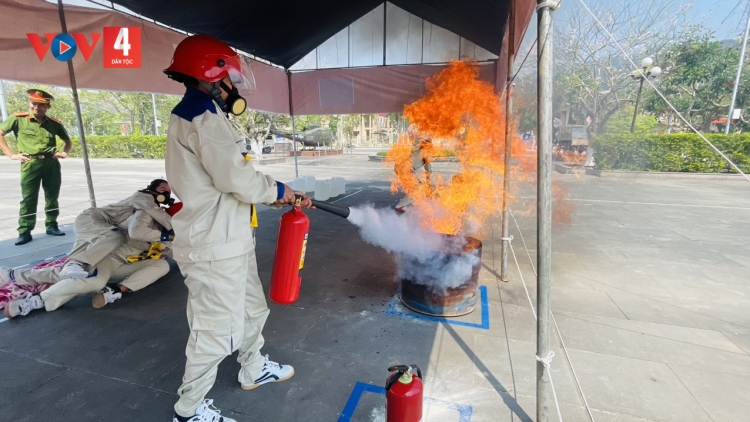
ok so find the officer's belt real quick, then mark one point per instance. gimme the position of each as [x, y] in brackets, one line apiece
[40, 156]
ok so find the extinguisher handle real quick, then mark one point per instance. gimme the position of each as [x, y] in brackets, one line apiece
[399, 368]
[297, 200]
[419, 371]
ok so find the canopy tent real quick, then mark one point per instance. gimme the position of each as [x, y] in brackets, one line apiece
[283, 33]
[289, 31]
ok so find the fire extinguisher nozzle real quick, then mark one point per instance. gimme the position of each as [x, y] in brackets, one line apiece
[333, 209]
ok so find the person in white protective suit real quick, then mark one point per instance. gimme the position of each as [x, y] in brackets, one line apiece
[135, 264]
[96, 228]
[214, 242]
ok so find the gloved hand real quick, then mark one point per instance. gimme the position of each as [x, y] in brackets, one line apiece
[174, 208]
[167, 236]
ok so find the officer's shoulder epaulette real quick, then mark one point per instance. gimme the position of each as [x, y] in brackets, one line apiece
[54, 120]
[21, 114]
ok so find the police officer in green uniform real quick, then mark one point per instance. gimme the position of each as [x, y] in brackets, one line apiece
[37, 151]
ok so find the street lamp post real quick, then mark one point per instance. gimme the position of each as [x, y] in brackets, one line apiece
[643, 73]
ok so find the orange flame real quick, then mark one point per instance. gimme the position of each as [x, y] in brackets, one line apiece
[463, 116]
[570, 157]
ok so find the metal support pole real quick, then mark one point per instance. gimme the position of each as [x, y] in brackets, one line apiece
[385, 9]
[291, 113]
[737, 79]
[156, 120]
[637, 100]
[508, 147]
[79, 118]
[544, 207]
[3, 104]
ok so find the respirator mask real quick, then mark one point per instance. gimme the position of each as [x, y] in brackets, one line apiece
[234, 103]
[162, 198]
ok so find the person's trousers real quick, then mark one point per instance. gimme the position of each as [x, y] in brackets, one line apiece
[226, 311]
[95, 238]
[36, 172]
[133, 276]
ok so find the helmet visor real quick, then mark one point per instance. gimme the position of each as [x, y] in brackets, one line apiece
[241, 74]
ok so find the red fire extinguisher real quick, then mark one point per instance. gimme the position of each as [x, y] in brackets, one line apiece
[290, 255]
[403, 394]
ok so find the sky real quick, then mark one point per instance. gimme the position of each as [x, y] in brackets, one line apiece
[721, 16]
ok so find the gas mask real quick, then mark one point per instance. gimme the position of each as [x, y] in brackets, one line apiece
[234, 102]
[162, 198]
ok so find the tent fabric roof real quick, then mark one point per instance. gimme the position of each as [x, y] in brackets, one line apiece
[284, 31]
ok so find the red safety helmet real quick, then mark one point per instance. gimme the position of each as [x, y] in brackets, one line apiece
[206, 58]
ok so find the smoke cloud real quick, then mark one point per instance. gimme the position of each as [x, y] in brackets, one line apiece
[422, 256]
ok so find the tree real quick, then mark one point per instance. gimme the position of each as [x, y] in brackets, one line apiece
[593, 77]
[349, 123]
[103, 112]
[698, 80]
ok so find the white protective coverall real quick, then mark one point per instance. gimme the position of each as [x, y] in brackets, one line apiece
[214, 244]
[142, 230]
[96, 236]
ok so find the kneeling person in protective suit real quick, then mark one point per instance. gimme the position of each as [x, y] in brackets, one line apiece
[214, 243]
[136, 263]
[96, 228]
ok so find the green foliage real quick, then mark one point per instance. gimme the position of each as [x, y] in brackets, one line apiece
[698, 80]
[349, 123]
[144, 146]
[103, 112]
[621, 120]
[679, 152]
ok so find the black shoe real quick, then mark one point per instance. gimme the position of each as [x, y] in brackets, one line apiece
[23, 239]
[54, 231]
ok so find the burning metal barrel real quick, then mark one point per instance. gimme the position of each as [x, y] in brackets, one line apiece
[423, 291]
[443, 282]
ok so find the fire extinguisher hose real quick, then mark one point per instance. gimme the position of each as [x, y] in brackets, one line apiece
[333, 209]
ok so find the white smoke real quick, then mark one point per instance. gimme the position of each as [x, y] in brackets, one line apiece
[420, 254]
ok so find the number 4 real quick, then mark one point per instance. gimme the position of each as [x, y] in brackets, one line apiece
[121, 43]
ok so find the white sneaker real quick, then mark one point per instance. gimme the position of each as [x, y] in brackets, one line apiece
[207, 413]
[6, 276]
[271, 372]
[23, 306]
[73, 270]
[105, 296]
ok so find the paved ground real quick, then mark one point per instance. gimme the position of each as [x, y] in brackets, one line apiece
[650, 293]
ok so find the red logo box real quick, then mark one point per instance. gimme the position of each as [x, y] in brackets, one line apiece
[122, 47]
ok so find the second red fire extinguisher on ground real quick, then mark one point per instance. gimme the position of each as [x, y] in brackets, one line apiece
[403, 394]
[286, 278]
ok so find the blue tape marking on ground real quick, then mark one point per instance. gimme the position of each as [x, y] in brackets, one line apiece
[464, 411]
[484, 325]
[351, 404]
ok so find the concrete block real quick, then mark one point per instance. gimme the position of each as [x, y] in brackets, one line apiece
[322, 190]
[339, 186]
[299, 184]
[310, 183]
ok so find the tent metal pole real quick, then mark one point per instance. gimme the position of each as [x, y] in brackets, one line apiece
[79, 118]
[291, 113]
[385, 10]
[156, 120]
[508, 145]
[737, 79]
[544, 207]
[3, 104]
